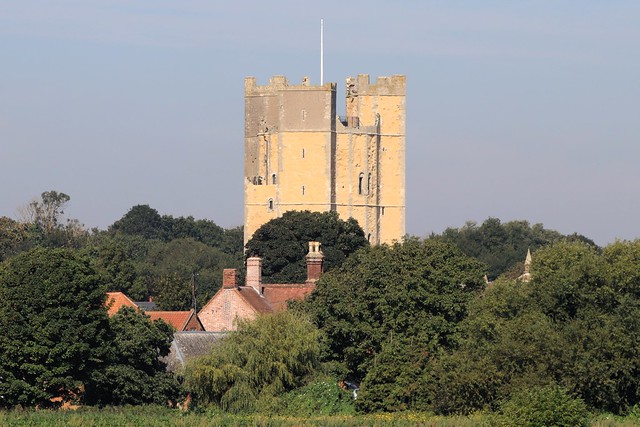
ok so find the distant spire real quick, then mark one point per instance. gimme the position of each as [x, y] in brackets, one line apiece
[527, 262]
[526, 276]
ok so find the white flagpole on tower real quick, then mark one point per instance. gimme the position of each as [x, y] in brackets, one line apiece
[321, 51]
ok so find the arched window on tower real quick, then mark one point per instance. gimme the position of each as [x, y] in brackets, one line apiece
[273, 179]
[360, 183]
[270, 204]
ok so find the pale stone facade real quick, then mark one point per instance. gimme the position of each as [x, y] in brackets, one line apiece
[299, 155]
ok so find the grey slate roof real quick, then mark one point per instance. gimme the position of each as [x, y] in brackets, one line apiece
[146, 305]
[186, 345]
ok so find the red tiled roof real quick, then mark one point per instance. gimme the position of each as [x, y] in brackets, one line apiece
[279, 294]
[259, 303]
[116, 300]
[177, 319]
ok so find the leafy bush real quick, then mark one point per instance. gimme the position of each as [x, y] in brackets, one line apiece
[544, 407]
[321, 397]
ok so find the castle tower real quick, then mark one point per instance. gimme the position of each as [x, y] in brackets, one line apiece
[300, 156]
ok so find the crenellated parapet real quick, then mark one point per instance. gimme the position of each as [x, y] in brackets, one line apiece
[281, 83]
[384, 86]
[299, 155]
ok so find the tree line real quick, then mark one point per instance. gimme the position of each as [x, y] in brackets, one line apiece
[413, 324]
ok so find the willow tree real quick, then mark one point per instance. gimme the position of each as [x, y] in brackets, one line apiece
[262, 359]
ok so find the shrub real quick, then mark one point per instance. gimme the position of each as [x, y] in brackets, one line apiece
[544, 406]
[321, 397]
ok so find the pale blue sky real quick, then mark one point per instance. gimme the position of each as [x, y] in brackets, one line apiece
[517, 110]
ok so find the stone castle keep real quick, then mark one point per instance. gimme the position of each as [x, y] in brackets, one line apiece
[299, 155]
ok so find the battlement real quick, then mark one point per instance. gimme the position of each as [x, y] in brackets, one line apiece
[280, 83]
[391, 86]
[300, 155]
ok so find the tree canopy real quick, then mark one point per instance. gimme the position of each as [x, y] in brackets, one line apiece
[575, 325]
[144, 221]
[283, 243]
[388, 304]
[133, 372]
[503, 245]
[53, 324]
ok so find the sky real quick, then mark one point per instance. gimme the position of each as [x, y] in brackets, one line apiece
[523, 110]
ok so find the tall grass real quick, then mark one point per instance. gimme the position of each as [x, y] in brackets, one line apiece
[160, 416]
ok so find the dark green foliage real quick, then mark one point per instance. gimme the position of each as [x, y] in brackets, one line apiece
[387, 309]
[144, 221]
[141, 220]
[576, 324]
[393, 383]
[503, 346]
[133, 372]
[169, 267]
[283, 243]
[263, 359]
[141, 268]
[233, 242]
[544, 407]
[502, 246]
[417, 290]
[118, 260]
[53, 324]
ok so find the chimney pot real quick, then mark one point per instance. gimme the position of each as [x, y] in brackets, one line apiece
[229, 278]
[254, 273]
[315, 261]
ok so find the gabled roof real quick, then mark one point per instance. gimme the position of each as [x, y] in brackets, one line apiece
[116, 300]
[178, 319]
[146, 305]
[259, 303]
[186, 345]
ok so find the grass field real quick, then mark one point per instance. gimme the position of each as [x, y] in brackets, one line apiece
[159, 416]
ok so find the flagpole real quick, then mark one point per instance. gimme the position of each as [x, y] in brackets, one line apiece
[321, 52]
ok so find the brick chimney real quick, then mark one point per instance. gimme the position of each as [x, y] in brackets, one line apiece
[229, 278]
[254, 273]
[315, 260]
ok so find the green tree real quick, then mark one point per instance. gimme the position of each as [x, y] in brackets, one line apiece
[15, 237]
[53, 324]
[262, 359]
[233, 242]
[393, 306]
[141, 220]
[44, 220]
[283, 243]
[503, 245]
[48, 211]
[134, 373]
[576, 324]
[144, 221]
[115, 259]
[169, 267]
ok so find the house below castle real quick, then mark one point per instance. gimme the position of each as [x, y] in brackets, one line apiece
[234, 301]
